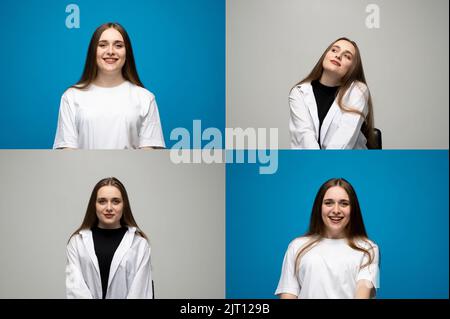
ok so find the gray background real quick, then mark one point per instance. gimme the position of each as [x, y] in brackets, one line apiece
[272, 44]
[43, 199]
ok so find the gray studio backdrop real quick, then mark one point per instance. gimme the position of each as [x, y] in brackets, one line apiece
[43, 198]
[272, 44]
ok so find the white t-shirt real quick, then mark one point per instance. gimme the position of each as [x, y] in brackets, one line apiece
[330, 270]
[122, 117]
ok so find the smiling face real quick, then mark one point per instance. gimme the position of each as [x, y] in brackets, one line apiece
[111, 52]
[339, 58]
[335, 212]
[109, 207]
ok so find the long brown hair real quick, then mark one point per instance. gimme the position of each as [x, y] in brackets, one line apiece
[355, 73]
[90, 218]
[355, 229]
[90, 71]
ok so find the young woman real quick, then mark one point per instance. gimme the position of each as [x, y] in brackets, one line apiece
[109, 108]
[108, 256]
[331, 108]
[335, 258]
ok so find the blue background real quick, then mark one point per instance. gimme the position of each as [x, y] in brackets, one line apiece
[403, 197]
[179, 49]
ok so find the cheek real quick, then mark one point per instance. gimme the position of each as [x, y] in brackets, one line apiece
[347, 214]
[324, 213]
[348, 66]
[119, 209]
[99, 53]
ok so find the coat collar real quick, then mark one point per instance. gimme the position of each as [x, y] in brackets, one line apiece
[310, 101]
[125, 244]
[120, 252]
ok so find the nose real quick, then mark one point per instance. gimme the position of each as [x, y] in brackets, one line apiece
[336, 210]
[109, 207]
[110, 50]
[338, 56]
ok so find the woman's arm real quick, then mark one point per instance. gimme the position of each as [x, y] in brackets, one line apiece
[287, 296]
[151, 148]
[368, 279]
[150, 133]
[364, 289]
[350, 123]
[288, 286]
[301, 125]
[66, 132]
[76, 287]
[141, 286]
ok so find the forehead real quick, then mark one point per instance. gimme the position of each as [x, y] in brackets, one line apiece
[111, 34]
[345, 46]
[336, 192]
[109, 191]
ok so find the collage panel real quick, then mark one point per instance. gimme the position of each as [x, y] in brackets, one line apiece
[288, 60]
[46, 196]
[108, 74]
[401, 203]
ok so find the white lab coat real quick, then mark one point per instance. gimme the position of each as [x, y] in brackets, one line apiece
[340, 130]
[129, 275]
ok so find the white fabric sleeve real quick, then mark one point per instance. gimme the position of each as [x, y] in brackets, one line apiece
[301, 125]
[288, 281]
[66, 131]
[76, 287]
[350, 123]
[141, 287]
[150, 133]
[371, 272]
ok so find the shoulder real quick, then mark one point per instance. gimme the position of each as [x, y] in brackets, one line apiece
[138, 240]
[358, 89]
[301, 88]
[70, 92]
[367, 244]
[299, 242]
[141, 91]
[74, 240]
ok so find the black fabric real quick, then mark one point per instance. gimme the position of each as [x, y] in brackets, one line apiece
[106, 242]
[325, 96]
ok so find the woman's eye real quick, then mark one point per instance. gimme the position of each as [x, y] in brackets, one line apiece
[328, 203]
[116, 201]
[119, 46]
[101, 201]
[348, 57]
[344, 204]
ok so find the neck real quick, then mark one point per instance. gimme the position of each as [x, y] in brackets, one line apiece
[329, 79]
[109, 80]
[334, 236]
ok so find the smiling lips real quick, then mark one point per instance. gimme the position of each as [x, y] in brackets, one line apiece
[109, 215]
[336, 219]
[110, 60]
[335, 62]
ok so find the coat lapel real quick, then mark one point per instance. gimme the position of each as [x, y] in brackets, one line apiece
[310, 101]
[124, 245]
[327, 121]
[88, 241]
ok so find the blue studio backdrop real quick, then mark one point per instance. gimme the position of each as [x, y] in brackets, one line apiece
[403, 197]
[179, 48]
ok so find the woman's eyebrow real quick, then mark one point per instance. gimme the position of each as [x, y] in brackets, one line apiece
[106, 41]
[346, 51]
